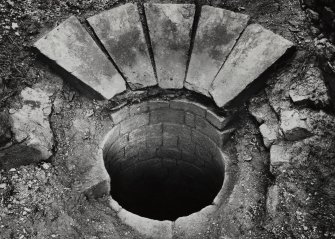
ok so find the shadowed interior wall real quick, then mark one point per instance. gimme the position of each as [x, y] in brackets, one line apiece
[164, 159]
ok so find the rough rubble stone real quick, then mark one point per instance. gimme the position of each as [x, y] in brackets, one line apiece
[294, 125]
[269, 134]
[120, 31]
[272, 200]
[217, 32]
[31, 129]
[255, 51]
[73, 49]
[262, 111]
[5, 128]
[170, 28]
[279, 154]
[311, 89]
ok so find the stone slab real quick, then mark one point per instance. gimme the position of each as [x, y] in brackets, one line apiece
[170, 27]
[149, 228]
[73, 49]
[120, 31]
[217, 33]
[255, 51]
[194, 225]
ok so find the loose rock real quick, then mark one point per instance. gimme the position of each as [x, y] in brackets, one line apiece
[279, 155]
[31, 129]
[311, 89]
[269, 133]
[294, 125]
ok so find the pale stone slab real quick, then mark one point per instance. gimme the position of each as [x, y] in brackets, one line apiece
[170, 27]
[255, 51]
[194, 225]
[120, 31]
[217, 33]
[145, 226]
[72, 48]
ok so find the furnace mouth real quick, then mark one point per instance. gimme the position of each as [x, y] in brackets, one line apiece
[162, 164]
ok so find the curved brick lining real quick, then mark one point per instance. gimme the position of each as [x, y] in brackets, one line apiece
[166, 136]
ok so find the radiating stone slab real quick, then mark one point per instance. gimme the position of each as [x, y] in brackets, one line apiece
[120, 31]
[217, 32]
[72, 48]
[170, 27]
[256, 50]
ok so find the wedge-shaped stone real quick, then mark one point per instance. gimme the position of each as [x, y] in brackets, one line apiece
[217, 32]
[73, 49]
[120, 31]
[256, 50]
[170, 27]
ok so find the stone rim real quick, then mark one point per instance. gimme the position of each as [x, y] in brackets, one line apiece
[165, 228]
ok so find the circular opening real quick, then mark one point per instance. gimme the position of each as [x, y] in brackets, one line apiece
[160, 166]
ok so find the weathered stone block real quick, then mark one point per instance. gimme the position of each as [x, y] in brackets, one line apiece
[192, 225]
[154, 130]
[169, 140]
[279, 154]
[171, 153]
[155, 141]
[190, 119]
[170, 28]
[120, 143]
[186, 145]
[218, 121]
[181, 131]
[167, 115]
[157, 104]
[294, 125]
[255, 51]
[270, 134]
[73, 49]
[120, 115]
[217, 32]
[190, 106]
[310, 89]
[203, 141]
[134, 122]
[138, 108]
[272, 200]
[31, 129]
[148, 153]
[147, 227]
[120, 31]
[140, 133]
[133, 148]
[206, 128]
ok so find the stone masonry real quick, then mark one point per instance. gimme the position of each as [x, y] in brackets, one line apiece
[222, 64]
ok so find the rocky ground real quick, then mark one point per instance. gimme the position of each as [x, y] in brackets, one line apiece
[288, 129]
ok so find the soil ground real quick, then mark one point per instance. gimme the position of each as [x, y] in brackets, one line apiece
[38, 200]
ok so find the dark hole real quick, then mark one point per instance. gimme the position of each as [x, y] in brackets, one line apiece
[161, 189]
